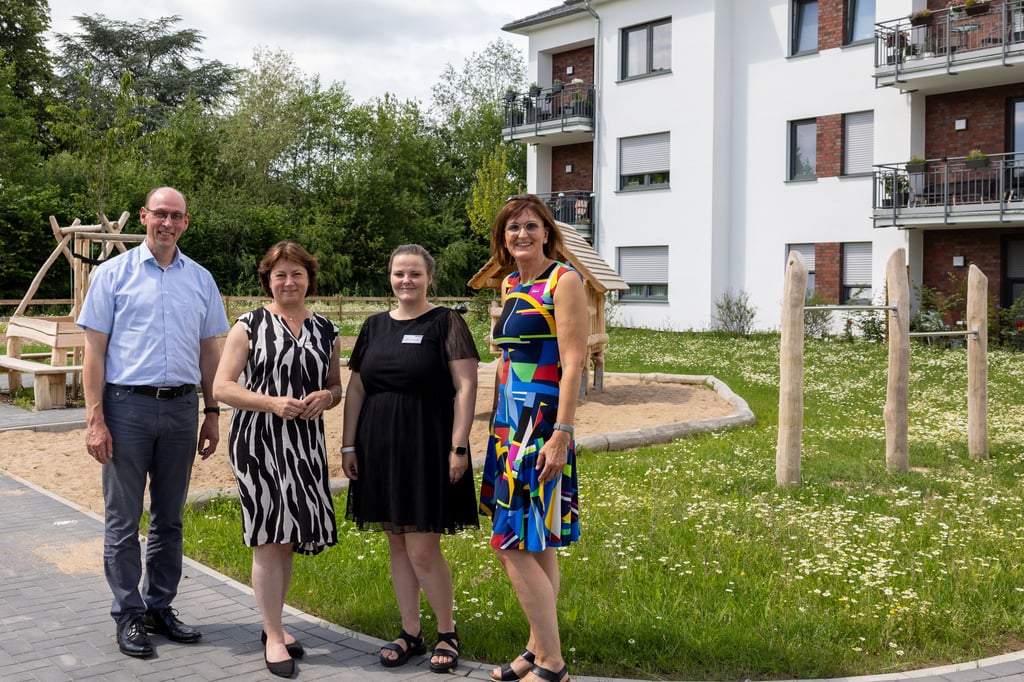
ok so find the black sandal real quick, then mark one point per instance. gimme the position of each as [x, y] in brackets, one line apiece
[452, 640]
[508, 673]
[414, 647]
[550, 675]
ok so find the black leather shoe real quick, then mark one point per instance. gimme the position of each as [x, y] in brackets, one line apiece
[132, 639]
[280, 668]
[165, 622]
[295, 649]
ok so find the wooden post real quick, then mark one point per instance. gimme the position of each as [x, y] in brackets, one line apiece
[977, 364]
[898, 387]
[791, 373]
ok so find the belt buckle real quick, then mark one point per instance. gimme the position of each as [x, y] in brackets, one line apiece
[164, 393]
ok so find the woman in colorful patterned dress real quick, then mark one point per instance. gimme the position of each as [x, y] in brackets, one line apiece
[529, 481]
[288, 359]
[405, 447]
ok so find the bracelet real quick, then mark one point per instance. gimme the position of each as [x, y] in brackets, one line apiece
[568, 429]
[348, 448]
[211, 410]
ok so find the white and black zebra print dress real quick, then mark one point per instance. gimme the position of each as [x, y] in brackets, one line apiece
[281, 465]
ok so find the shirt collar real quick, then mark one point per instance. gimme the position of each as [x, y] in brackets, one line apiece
[148, 255]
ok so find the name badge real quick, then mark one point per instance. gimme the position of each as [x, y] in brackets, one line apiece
[412, 338]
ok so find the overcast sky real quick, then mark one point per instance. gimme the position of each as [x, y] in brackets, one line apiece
[374, 46]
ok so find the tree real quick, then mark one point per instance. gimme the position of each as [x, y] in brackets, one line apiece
[491, 190]
[161, 61]
[22, 25]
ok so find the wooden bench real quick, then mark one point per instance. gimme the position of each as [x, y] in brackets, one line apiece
[50, 381]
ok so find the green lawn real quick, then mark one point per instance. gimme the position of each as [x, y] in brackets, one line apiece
[693, 564]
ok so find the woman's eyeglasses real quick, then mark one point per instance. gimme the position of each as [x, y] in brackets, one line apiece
[516, 228]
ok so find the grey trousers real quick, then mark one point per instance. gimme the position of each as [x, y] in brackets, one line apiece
[156, 438]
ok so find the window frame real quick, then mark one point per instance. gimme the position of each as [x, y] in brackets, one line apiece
[851, 8]
[791, 160]
[848, 287]
[807, 250]
[648, 69]
[867, 168]
[651, 278]
[798, 8]
[647, 177]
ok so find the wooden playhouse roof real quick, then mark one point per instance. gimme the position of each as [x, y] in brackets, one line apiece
[579, 254]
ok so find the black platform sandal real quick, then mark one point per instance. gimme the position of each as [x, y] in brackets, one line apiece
[414, 647]
[508, 673]
[452, 640]
[550, 675]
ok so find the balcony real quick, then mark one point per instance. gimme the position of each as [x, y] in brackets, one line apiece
[924, 55]
[561, 114]
[572, 207]
[950, 191]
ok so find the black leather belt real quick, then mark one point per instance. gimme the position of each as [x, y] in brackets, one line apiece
[158, 392]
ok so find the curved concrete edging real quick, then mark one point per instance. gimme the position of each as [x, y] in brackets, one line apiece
[602, 442]
[666, 433]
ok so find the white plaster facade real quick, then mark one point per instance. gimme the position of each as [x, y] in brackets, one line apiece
[729, 212]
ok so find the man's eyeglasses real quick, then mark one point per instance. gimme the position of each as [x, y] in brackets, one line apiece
[515, 228]
[175, 216]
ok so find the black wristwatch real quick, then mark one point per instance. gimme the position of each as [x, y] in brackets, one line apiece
[460, 450]
[211, 410]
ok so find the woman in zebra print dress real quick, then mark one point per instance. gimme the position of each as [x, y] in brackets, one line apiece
[287, 358]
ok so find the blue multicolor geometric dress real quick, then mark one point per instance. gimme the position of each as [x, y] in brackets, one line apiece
[524, 514]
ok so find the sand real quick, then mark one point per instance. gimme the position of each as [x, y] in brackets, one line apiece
[59, 462]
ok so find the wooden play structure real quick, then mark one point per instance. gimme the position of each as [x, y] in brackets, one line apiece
[83, 246]
[598, 279]
[895, 414]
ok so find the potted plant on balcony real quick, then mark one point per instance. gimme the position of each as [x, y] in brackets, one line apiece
[534, 89]
[922, 18]
[557, 85]
[916, 164]
[975, 7]
[895, 186]
[510, 95]
[928, 48]
[976, 159]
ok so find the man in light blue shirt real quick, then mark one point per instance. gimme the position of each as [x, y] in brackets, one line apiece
[151, 318]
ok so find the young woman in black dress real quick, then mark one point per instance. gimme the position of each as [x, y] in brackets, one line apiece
[405, 447]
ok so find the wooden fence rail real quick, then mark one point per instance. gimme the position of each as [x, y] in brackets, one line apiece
[341, 306]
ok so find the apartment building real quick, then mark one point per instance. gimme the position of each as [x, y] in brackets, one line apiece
[696, 142]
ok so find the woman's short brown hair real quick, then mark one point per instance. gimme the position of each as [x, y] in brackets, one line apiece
[513, 207]
[287, 250]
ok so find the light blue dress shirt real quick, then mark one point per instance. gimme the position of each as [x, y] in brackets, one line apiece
[154, 317]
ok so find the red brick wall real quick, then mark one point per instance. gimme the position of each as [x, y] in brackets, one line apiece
[829, 146]
[979, 246]
[828, 265]
[581, 60]
[581, 158]
[830, 23]
[986, 114]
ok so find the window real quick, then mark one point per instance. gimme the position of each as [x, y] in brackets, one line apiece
[644, 161]
[807, 251]
[860, 20]
[1014, 265]
[857, 273]
[645, 269]
[858, 142]
[805, 26]
[647, 49]
[803, 155]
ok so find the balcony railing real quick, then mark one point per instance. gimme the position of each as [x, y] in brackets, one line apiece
[946, 38]
[572, 207]
[565, 107]
[950, 190]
